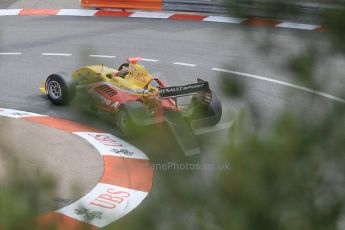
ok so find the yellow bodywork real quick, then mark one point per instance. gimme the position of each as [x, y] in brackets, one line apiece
[43, 87]
[137, 78]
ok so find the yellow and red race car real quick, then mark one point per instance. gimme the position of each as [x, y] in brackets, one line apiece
[134, 96]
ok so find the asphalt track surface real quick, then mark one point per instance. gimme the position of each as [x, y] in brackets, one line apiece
[40, 4]
[6, 3]
[205, 45]
[184, 50]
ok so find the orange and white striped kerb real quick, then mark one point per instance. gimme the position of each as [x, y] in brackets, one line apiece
[162, 15]
[126, 181]
[123, 4]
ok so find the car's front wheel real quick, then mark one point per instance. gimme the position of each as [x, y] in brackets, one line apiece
[59, 90]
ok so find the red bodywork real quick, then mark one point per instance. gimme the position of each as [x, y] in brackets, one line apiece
[108, 97]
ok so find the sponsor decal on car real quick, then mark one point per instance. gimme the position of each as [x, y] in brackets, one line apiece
[103, 100]
[184, 90]
[140, 77]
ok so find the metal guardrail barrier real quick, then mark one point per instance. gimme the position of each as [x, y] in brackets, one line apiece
[203, 6]
[298, 10]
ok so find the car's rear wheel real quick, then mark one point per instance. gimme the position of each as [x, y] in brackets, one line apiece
[59, 90]
[214, 110]
[206, 115]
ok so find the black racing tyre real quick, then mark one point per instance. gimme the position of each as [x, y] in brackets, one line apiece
[214, 110]
[124, 123]
[206, 115]
[123, 65]
[59, 90]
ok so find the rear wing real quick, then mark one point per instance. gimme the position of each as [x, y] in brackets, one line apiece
[178, 91]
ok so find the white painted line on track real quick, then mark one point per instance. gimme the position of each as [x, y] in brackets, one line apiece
[319, 93]
[184, 64]
[149, 60]
[9, 12]
[76, 12]
[215, 128]
[297, 26]
[101, 56]
[223, 19]
[10, 53]
[56, 54]
[150, 15]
